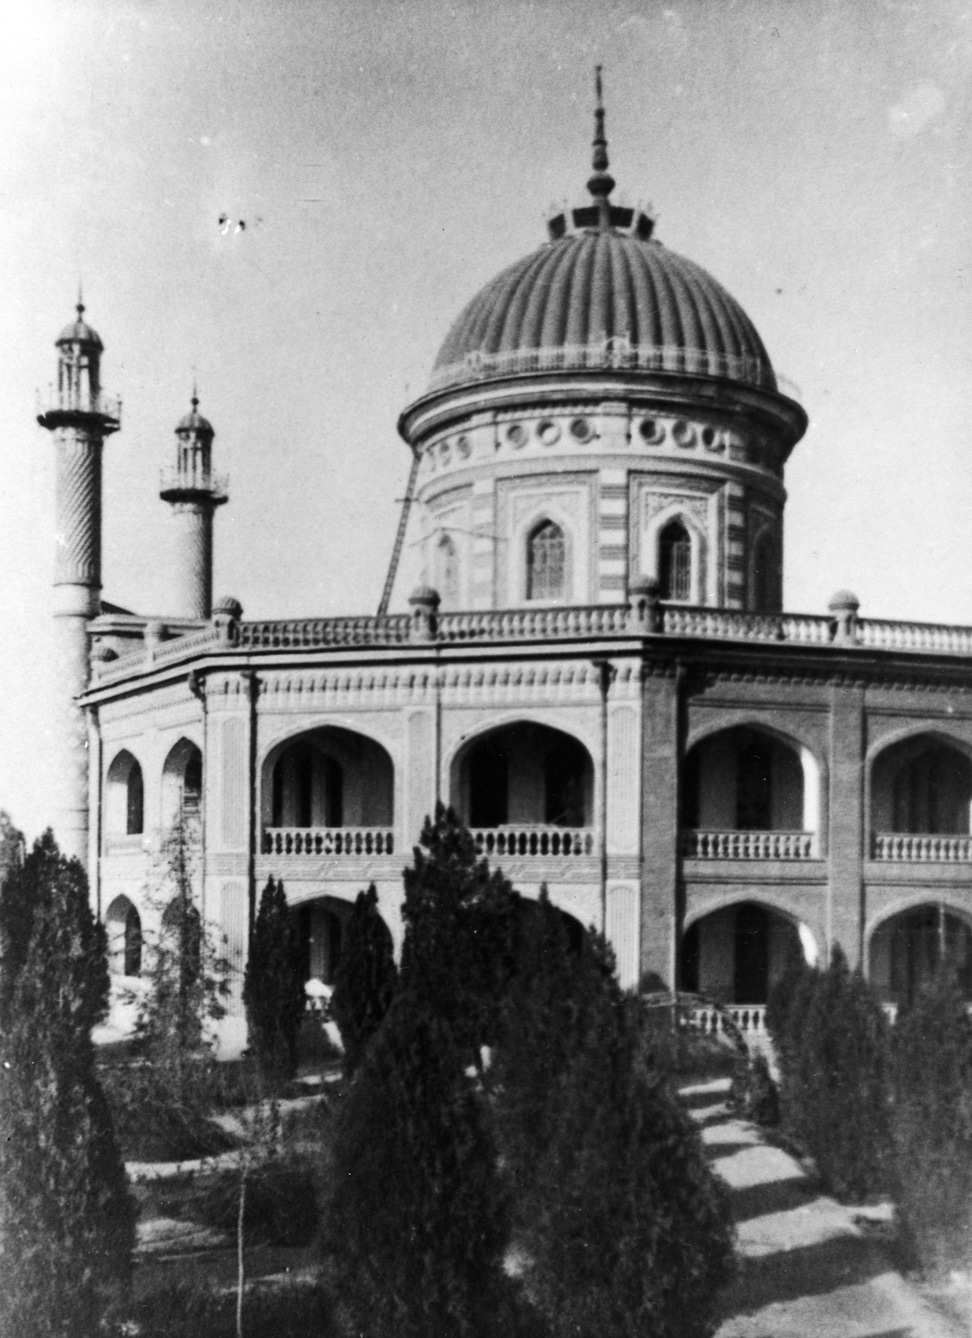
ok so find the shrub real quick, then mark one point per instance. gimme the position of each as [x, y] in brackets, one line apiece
[66, 1218]
[932, 1122]
[460, 932]
[416, 1226]
[754, 1095]
[836, 1081]
[273, 987]
[629, 1219]
[364, 984]
[279, 1206]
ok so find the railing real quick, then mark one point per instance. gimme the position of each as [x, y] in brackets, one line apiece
[533, 842]
[174, 479]
[308, 633]
[328, 841]
[881, 634]
[750, 1019]
[803, 628]
[700, 844]
[561, 622]
[900, 847]
[534, 624]
[71, 400]
[614, 354]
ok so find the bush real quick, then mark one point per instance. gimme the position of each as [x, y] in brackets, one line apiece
[417, 1224]
[932, 1122]
[153, 1122]
[279, 1206]
[366, 977]
[67, 1222]
[186, 1310]
[273, 987]
[836, 1081]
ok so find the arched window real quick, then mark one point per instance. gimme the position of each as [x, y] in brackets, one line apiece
[546, 563]
[124, 927]
[182, 777]
[447, 574]
[766, 565]
[675, 562]
[125, 796]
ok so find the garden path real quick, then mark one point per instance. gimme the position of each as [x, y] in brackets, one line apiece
[807, 1267]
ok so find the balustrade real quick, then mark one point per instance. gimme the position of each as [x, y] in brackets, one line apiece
[699, 844]
[328, 841]
[567, 622]
[922, 848]
[750, 1019]
[533, 841]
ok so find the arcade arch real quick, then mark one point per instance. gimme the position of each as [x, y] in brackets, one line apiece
[746, 779]
[737, 953]
[324, 779]
[921, 786]
[526, 777]
[906, 950]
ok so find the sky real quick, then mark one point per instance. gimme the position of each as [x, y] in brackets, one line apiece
[387, 159]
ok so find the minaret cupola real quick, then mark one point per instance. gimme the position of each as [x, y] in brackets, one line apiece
[194, 492]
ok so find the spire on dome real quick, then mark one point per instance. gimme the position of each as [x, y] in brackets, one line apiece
[601, 183]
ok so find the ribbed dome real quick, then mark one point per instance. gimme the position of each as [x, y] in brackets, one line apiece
[193, 421]
[79, 332]
[603, 299]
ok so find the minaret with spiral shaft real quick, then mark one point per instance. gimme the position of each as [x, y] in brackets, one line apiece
[194, 492]
[80, 418]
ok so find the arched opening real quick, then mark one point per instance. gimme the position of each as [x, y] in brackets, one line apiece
[124, 797]
[529, 787]
[182, 783]
[330, 791]
[546, 563]
[766, 575]
[123, 926]
[737, 954]
[908, 949]
[744, 780]
[320, 928]
[921, 801]
[447, 572]
[675, 562]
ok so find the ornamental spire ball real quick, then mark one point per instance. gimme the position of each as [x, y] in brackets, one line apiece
[601, 183]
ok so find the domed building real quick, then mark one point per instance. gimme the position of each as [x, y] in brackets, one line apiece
[597, 671]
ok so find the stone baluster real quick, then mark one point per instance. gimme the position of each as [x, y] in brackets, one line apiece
[843, 607]
[644, 610]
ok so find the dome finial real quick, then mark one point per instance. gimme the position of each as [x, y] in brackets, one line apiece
[195, 391]
[79, 306]
[601, 182]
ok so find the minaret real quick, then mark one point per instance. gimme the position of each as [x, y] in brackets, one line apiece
[194, 492]
[80, 418]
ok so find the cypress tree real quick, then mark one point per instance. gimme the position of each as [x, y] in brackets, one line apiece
[460, 939]
[273, 986]
[365, 981]
[66, 1218]
[417, 1221]
[932, 1123]
[838, 1102]
[627, 1219]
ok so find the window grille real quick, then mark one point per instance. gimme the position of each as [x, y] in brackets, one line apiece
[675, 562]
[546, 563]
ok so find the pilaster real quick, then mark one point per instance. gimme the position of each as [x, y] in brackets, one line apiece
[848, 822]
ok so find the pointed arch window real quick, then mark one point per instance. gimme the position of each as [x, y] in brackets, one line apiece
[448, 571]
[546, 563]
[675, 562]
